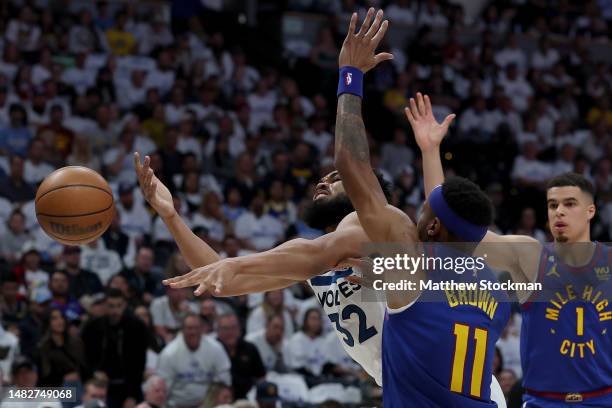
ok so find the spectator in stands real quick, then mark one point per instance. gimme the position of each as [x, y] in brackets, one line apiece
[35, 168]
[115, 239]
[273, 303]
[527, 225]
[155, 393]
[13, 239]
[31, 326]
[9, 345]
[211, 217]
[247, 367]
[271, 344]
[156, 342]
[190, 363]
[12, 307]
[59, 286]
[305, 351]
[82, 281]
[217, 395]
[169, 310]
[15, 188]
[120, 40]
[56, 135]
[143, 279]
[60, 356]
[135, 220]
[258, 230]
[116, 344]
[279, 206]
[94, 390]
[103, 262]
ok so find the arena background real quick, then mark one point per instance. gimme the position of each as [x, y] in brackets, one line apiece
[235, 103]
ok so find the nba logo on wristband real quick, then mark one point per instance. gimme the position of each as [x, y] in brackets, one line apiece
[350, 81]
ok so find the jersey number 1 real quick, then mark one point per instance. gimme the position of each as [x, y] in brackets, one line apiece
[462, 334]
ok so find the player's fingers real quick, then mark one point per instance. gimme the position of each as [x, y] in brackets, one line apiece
[380, 33]
[137, 164]
[366, 23]
[358, 280]
[421, 104]
[409, 115]
[147, 181]
[183, 281]
[352, 25]
[414, 110]
[447, 121]
[375, 25]
[218, 284]
[200, 289]
[383, 56]
[427, 105]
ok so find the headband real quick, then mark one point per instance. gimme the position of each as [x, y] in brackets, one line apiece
[459, 226]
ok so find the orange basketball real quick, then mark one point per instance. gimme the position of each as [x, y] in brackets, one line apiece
[74, 205]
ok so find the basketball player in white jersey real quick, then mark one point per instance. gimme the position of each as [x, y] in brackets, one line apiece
[358, 323]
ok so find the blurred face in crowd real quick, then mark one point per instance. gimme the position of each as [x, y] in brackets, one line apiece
[37, 150]
[277, 191]
[570, 211]
[157, 392]
[312, 323]
[275, 298]
[528, 219]
[144, 259]
[143, 314]
[275, 329]
[58, 284]
[231, 246]
[72, 258]
[507, 379]
[9, 291]
[208, 309]
[119, 282]
[192, 332]
[228, 330]
[25, 378]
[57, 322]
[93, 392]
[176, 296]
[17, 223]
[225, 396]
[234, 198]
[115, 306]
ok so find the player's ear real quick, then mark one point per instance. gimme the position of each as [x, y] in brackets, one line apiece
[591, 211]
[433, 228]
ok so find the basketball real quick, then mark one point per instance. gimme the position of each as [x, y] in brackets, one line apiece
[74, 205]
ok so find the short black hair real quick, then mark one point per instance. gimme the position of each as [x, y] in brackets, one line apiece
[468, 201]
[386, 186]
[572, 179]
[114, 293]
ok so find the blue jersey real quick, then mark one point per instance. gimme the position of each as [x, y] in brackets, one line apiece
[439, 351]
[567, 327]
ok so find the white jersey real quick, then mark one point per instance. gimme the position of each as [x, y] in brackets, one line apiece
[357, 314]
[358, 323]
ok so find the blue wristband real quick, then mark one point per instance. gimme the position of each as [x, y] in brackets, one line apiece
[351, 81]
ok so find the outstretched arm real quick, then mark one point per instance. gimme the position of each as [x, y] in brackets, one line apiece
[297, 260]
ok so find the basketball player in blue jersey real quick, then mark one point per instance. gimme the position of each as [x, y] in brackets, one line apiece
[437, 353]
[566, 347]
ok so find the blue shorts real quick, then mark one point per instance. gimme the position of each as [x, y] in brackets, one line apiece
[529, 401]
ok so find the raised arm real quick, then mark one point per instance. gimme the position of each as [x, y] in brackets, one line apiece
[428, 134]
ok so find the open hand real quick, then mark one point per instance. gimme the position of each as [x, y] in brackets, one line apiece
[153, 190]
[209, 277]
[358, 48]
[427, 131]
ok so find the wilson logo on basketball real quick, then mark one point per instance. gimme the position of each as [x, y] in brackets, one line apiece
[74, 229]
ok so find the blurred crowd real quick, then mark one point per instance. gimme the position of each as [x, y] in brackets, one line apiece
[241, 143]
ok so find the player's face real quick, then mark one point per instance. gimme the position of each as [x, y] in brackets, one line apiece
[570, 211]
[329, 186]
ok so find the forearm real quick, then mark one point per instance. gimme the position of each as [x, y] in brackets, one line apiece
[240, 286]
[196, 252]
[297, 260]
[433, 173]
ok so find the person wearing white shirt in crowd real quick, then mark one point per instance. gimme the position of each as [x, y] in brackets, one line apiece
[103, 262]
[131, 93]
[187, 142]
[475, 122]
[152, 35]
[94, 389]
[135, 219]
[546, 118]
[262, 103]
[155, 393]
[175, 110]
[118, 160]
[565, 160]
[34, 168]
[9, 344]
[544, 57]
[516, 87]
[42, 70]
[402, 12]
[527, 169]
[210, 216]
[505, 114]
[190, 363]
[79, 76]
[162, 77]
[431, 15]
[273, 303]
[317, 135]
[238, 73]
[336, 355]
[512, 53]
[34, 276]
[305, 351]
[23, 31]
[169, 310]
[260, 230]
[509, 347]
[270, 343]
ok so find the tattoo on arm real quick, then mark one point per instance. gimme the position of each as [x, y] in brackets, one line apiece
[350, 130]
